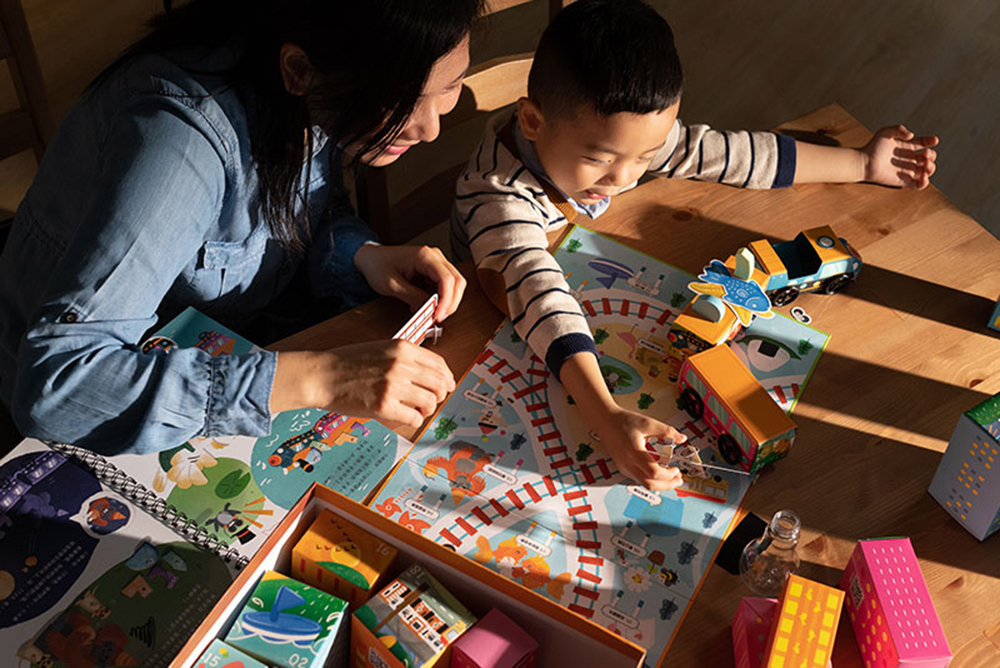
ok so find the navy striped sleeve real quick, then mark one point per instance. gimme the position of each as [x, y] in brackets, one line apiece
[785, 174]
[565, 347]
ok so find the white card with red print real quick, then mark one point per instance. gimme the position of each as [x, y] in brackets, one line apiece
[417, 327]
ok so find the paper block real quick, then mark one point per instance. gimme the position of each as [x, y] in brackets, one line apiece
[409, 623]
[994, 322]
[967, 481]
[495, 641]
[805, 625]
[890, 608]
[751, 626]
[221, 655]
[341, 559]
[288, 623]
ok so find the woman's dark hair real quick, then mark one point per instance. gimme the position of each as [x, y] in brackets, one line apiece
[611, 55]
[370, 57]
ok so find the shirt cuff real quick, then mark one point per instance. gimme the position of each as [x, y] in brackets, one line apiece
[785, 174]
[565, 347]
[239, 394]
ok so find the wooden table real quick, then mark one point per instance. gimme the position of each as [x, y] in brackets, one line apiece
[909, 353]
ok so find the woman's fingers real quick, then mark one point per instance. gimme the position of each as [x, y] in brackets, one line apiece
[431, 365]
[432, 264]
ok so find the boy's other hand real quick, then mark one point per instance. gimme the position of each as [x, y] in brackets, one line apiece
[895, 157]
[396, 271]
[624, 434]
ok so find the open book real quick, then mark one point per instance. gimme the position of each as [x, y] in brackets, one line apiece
[111, 560]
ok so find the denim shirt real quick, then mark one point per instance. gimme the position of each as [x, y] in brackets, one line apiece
[146, 202]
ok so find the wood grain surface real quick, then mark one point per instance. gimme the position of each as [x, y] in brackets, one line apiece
[909, 352]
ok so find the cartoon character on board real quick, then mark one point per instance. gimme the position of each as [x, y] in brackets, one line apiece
[463, 468]
[512, 561]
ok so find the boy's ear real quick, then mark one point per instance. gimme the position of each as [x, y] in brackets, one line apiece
[296, 70]
[530, 118]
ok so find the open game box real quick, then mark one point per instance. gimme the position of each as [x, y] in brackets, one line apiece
[564, 638]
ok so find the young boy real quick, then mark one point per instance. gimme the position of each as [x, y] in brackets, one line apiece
[601, 111]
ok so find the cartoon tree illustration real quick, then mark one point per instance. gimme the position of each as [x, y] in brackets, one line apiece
[677, 299]
[583, 451]
[517, 441]
[444, 428]
[570, 400]
[804, 347]
[645, 401]
[573, 246]
[600, 336]
[515, 338]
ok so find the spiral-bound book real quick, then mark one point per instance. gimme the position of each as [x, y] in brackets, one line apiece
[96, 573]
[108, 560]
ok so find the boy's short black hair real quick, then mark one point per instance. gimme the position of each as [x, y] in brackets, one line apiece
[612, 55]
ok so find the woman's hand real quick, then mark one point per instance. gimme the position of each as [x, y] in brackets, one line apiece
[895, 157]
[391, 381]
[391, 271]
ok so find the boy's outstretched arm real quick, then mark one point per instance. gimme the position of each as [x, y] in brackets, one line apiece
[623, 433]
[894, 157]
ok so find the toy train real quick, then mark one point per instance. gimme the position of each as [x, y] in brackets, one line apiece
[752, 430]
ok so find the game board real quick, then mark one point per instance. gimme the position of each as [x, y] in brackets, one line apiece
[507, 473]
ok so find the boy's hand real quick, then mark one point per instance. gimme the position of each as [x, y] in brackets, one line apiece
[895, 157]
[393, 270]
[624, 434]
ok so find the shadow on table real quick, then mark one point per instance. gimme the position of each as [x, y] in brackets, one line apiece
[887, 495]
[884, 286]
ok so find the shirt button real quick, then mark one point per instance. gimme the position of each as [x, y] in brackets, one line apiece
[68, 318]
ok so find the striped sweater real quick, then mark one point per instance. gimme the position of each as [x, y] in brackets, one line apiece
[502, 215]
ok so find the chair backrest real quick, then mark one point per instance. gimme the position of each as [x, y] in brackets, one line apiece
[488, 88]
[30, 126]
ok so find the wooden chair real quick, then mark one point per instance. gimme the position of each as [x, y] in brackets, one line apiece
[489, 87]
[30, 125]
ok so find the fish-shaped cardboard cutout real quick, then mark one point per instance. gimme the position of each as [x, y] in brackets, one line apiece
[745, 297]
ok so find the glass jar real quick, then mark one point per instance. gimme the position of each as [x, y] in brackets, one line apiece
[768, 561]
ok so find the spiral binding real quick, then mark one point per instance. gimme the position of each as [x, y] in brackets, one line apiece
[151, 502]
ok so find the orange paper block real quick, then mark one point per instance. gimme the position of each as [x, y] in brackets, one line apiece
[805, 625]
[341, 559]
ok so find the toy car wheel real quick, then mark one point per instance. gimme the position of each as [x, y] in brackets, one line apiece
[836, 284]
[692, 403]
[730, 449]
[784, 296]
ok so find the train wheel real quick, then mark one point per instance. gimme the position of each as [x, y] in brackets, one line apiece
[692, 403]
[784, 296]
[834, 285]
[730, 449]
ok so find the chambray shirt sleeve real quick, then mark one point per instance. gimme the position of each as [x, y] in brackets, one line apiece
[331, 255]
[81, 376]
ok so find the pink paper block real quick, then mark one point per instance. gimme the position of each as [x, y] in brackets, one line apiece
[494, 642]
[890, 608]
[751, 626]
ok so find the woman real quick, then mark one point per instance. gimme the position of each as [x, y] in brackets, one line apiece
[203, 169]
